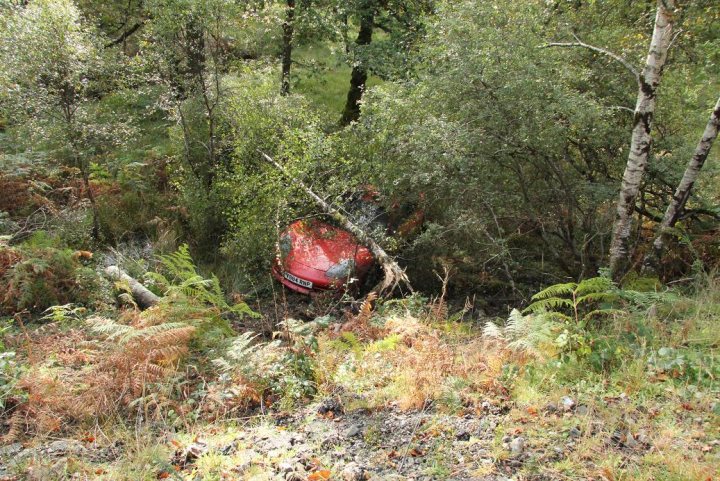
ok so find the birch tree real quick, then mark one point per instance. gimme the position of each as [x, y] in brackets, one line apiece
[679, 199]
[641, 140]
[52, 67]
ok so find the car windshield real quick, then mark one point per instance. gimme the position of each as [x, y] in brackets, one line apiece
[368, 215]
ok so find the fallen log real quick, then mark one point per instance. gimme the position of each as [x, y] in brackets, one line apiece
[394, 275]
[142, 295]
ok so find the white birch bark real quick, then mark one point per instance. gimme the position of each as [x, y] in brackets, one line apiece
[143, 296]
[677, 204]
[641, 139]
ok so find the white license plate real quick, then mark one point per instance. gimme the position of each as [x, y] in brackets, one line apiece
[297, 280]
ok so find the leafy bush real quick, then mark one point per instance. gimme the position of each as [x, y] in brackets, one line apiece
[39, 277]
[283, 369]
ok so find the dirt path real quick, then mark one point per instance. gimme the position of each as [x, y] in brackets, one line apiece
[319, 442]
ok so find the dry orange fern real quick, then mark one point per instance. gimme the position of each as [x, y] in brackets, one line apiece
[360, 324]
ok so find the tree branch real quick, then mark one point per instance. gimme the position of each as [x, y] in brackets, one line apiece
[127, 33]
[580, 43]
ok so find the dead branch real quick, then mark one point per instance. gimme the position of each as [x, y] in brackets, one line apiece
[394, 274]
[580, 43]
[142, 295]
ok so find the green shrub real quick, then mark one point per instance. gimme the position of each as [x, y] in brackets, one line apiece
[41, 275]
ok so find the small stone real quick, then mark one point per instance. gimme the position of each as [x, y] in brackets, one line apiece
[551, 408]
[286, 467]
[630, 441]
[582, 410]
[332, 405]
[353, 430]
[575, 432]
[517, 445]
[243, 467]
[193, 452]
[353, 472]
[643, 438]
[462, 435]
[567, 403]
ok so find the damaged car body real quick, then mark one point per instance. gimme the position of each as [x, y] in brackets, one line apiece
[313, 255]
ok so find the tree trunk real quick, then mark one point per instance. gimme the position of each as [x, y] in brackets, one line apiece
[288, 27]
[394, 274]
[677, 204]
[93, 204]
[195, 49]
[641, 139]
[144, 297]
[359, 75]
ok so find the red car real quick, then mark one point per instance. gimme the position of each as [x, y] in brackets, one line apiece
[316, 256]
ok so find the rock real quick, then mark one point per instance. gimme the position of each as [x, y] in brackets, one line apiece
[353, 430]
[462, 435]
[630, 441]
[574, 432]
[10, 449]
[191, 453]
[551, 408]
[643, 439]
[229, 448]
[353, 472]
[330, 405]
[567, 403]
[243, 467]
[286, 467]
[64, 447]
[517, 445]
[582, 410]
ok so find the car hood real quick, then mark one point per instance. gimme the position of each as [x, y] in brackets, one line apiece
[321, 246]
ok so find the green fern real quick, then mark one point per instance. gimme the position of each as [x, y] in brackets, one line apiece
[532, 334]
[555, 290]
[576, 301]
[124, 334]
[184, 283]
[240, 354]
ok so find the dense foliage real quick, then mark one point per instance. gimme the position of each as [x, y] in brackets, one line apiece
[495, 137]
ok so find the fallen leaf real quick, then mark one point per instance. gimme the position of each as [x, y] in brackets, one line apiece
[163, 475]
[320, 475]
[532, 410]
[607, 474]
[416, 453]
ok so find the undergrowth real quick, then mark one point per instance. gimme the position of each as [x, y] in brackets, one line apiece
[641, 363]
